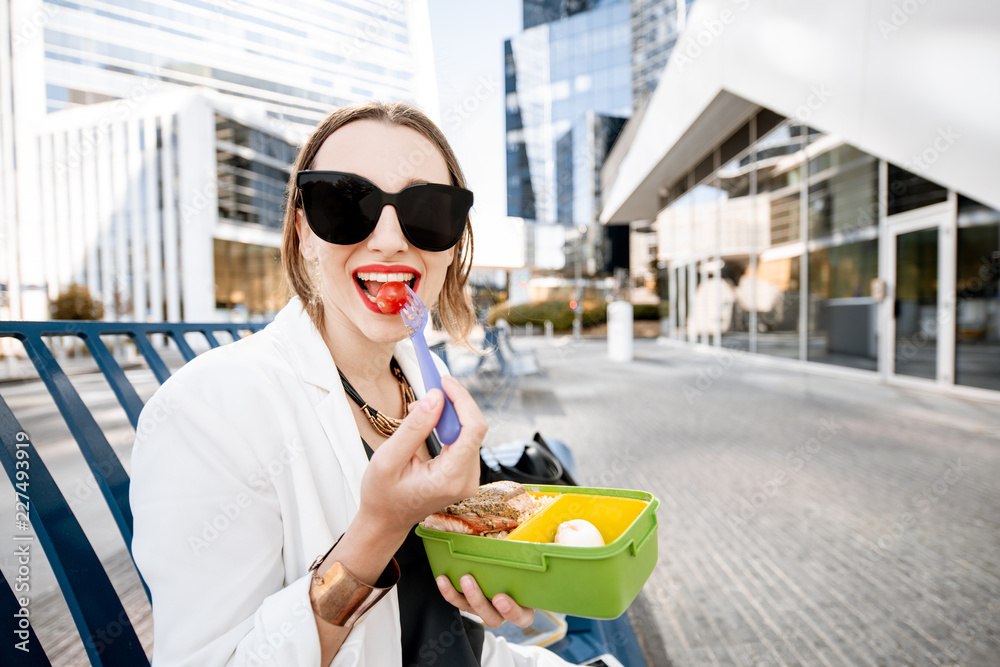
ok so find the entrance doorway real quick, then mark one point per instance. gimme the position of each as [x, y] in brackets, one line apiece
[915, 308]
[919, 254]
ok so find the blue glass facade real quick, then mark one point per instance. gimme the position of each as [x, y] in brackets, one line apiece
[655, 28]
[520, 196]
[537, 12]
[557, 72]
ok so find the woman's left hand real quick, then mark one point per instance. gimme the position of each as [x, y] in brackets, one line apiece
[494, 613]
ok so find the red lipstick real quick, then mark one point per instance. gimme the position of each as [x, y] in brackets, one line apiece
[384, 269]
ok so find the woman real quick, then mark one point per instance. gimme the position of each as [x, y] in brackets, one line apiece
[253, 459]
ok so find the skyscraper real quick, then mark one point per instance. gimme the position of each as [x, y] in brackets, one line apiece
[573, 76]
[656, 25]
[537, 12]
[555, 73]
[298, 61]
[152, 140]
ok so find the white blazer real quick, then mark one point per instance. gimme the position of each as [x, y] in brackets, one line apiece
[247, 465]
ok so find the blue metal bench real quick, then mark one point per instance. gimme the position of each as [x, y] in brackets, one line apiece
[503, 368]
[496, 370]
[96, 608]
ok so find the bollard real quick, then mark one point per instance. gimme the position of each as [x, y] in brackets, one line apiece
[620, 316]
[548, 330]
[577, 327]
[529, 329]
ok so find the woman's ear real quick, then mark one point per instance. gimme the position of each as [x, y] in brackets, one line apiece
[307, 240]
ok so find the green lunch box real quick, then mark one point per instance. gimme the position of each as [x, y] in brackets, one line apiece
[594, 582]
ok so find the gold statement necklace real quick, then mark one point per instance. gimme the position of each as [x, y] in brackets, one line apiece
[383, 424]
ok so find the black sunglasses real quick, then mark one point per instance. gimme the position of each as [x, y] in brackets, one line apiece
[344, 209]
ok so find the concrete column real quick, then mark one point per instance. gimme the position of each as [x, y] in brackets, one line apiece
[198, 204]
[121, 286]
[171, 275]
[947, 308]
[672, 287]
[682, 304]
[152, 214]
[76, 215]
[91, 209]
[105, 222]
[46, 214]
[137, 247]
[692, 286]
[9, 299]
[63, 228]
[28, 81]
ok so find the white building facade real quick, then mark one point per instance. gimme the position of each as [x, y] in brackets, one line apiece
[144, 147]
[824, 185]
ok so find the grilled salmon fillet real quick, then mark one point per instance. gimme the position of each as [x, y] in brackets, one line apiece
[496, 508]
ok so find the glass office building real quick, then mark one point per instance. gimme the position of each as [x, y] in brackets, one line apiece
[156, 138]
[656, 24]
[556, 72]
[774, 245]
[297, 61]
[580, 154]
[840, 212]
[573, 76]
[537, 12]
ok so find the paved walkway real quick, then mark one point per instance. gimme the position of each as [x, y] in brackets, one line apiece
[805, 520]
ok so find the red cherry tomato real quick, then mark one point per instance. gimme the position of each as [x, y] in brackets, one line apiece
[391, 298]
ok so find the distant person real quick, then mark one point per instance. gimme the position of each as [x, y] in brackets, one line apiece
[258, 457]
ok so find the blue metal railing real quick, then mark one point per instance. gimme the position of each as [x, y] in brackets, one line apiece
[103, 625]
[98, 612]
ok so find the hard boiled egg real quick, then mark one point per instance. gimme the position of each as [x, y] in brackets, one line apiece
[578, 533]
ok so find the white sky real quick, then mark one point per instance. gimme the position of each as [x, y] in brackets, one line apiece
[468, 53]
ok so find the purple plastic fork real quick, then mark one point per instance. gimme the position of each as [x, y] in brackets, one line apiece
[415, 317]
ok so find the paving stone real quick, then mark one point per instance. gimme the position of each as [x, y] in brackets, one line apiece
[804, 520]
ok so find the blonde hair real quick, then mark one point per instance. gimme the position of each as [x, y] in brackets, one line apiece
[453, 306]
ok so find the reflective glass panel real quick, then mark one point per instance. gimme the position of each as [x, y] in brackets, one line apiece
[737, 212]
[777, 295]
[785, 223]
[907, 191]
[248, 280]
[845, 201]
[977, 326]
[842, 315]
[916, 303]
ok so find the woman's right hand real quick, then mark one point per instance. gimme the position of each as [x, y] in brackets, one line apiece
[400, 488]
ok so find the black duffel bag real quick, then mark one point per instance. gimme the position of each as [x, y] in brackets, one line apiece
[537, 465]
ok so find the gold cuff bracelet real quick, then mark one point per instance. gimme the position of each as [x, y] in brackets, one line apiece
[339, 598]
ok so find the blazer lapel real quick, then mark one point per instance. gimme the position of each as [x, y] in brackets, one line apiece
[312, 361]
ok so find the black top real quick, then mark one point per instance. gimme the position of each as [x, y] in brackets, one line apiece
[434, 632]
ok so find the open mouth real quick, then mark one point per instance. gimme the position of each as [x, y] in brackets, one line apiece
[370, 282]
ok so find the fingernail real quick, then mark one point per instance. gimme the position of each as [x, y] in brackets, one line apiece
[466, 583]
[431, 401]
[502, 604]
[441, 581]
